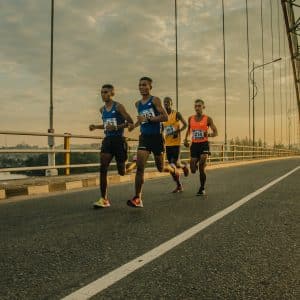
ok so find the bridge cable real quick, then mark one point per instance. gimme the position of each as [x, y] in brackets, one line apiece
[224, 70]
[273, 71]
[263, 68]
[286, 85]
[290, 102]
[279, 55]
[248, 57]
[176, 51]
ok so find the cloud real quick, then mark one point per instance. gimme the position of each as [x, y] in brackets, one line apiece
[119, 41]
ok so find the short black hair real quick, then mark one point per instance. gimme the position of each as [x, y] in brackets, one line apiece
[199, 101]
[147, 78]
[108, 86]
[168, 98]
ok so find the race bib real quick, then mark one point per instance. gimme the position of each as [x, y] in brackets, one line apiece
[169, 130]
[198, 134]
[111, 121]
[147, 113]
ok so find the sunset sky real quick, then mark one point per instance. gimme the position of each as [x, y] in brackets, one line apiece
[97, 42]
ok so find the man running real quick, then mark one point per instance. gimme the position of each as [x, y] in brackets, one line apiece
[150, 115]
[115, 119]
[172, 130]
[198, 128]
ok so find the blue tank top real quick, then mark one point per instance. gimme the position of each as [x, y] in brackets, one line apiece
[149, 110]
[113, 117]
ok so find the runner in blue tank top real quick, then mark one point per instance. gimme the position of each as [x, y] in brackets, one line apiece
[115, 118]
[150, 115]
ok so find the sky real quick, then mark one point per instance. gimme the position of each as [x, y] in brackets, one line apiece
[98, 42]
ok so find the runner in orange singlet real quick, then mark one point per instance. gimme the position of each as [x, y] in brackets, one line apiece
[198, 126]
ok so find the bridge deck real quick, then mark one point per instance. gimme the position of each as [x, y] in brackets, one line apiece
[54, 245]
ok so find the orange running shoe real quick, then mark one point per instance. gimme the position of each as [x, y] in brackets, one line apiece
[135, 202]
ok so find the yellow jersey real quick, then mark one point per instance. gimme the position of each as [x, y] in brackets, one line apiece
[170, 127]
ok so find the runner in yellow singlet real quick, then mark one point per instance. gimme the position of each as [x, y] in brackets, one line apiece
[172, 134]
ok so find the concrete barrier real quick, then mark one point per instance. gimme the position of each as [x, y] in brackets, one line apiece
[38, 189]
[2, 194]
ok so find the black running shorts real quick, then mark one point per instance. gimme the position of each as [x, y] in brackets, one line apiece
[153, 143]
[172, 153]
[116, 146]
[197, 149]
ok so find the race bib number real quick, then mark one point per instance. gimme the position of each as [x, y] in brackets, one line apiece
[198, 134]
[169, 130]
[147, 113]
[110, 121]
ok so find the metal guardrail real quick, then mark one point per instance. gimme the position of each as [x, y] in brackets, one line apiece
[219, 152]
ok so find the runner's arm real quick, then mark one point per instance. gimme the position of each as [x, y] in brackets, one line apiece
[137, 123]
[121, 109]
[93, 126]
[187, 134]
[182, 120]
[163, 116]
[213, 127]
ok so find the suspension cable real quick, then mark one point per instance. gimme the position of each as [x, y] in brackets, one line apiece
[176, 52]
[280, 81]
[224, 70]
[273, 71]
[263, 68]
[248, 69]
[290, 102]
[286, 85]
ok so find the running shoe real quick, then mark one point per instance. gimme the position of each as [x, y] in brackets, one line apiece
[101, 203]
[135, 202]
[178, 189]
[201, 192]
[186, 171]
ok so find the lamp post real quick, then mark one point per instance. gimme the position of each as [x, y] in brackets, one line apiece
[254, 93]
[176, 52]
[51, 156]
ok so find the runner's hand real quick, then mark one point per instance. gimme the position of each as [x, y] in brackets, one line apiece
[110, 127]
[141, 119]
[92, 127]
[130, 127]
[186, 143]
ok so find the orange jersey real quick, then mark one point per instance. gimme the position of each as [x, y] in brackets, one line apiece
[198, 129]
[170, 127]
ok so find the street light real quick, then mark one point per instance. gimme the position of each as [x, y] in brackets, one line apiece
[176, 51]
[51, 156]
[254, 93]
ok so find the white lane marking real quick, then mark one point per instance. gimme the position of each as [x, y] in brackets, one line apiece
[109, 279]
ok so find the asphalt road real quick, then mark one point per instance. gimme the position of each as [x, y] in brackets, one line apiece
[52, 246]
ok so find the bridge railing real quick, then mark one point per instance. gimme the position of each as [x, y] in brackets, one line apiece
[220, 153]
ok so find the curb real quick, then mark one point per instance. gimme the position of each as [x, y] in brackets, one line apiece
[42, 188]
[93, 181]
